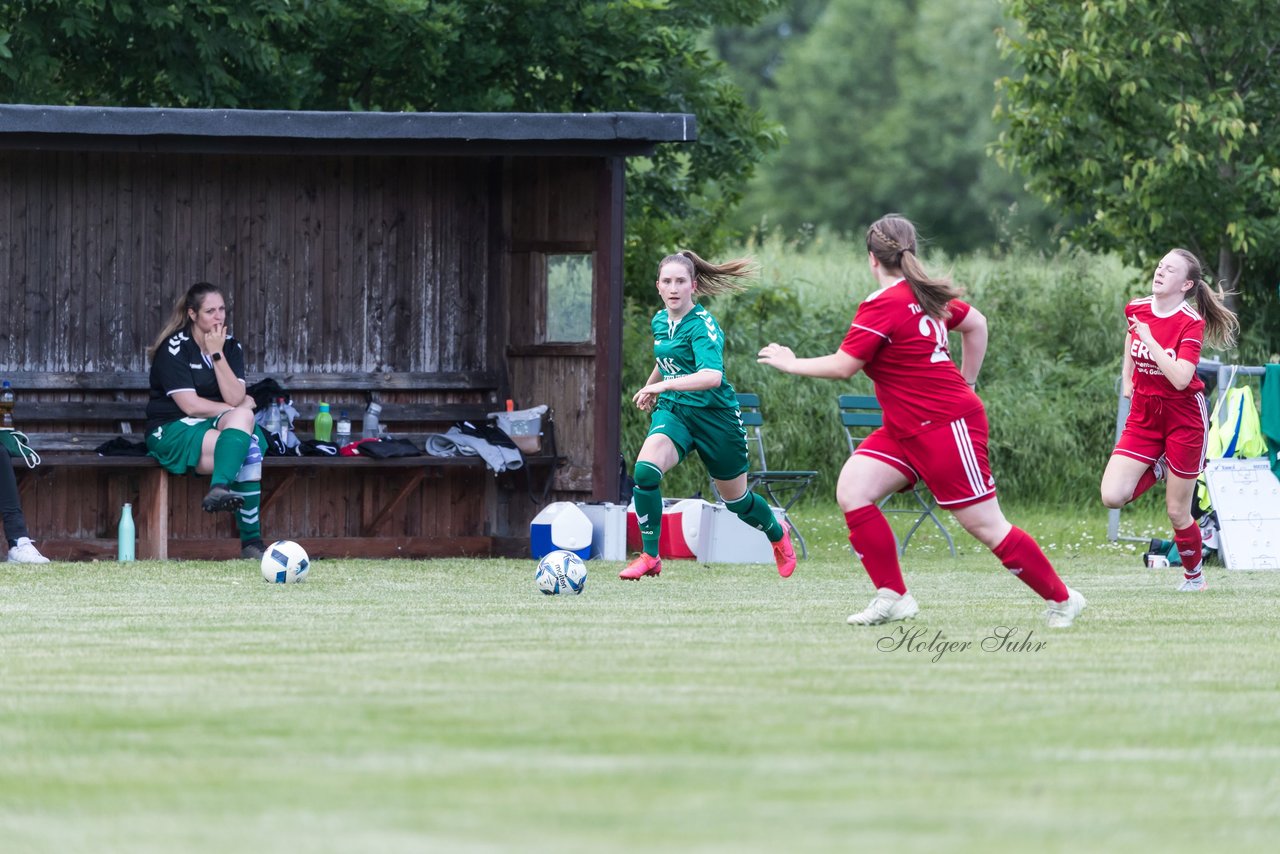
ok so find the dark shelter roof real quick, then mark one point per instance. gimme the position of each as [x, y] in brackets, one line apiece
[171, 129]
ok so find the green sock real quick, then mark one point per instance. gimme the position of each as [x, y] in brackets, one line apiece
[229, 454]
[648, 498]
[649, 515]
[755, 511]
[248, 519]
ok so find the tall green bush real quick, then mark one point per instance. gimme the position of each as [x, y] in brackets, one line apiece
[1049, 380]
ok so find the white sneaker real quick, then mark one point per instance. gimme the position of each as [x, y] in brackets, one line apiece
[1061, 615]
[26, 552]
[1157, 468]
[887, 607]
[1193, 585]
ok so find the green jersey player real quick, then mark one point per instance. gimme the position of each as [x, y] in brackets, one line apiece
[695, 409]
[200, 416]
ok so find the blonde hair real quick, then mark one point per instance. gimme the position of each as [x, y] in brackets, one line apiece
[892, 239]
[1220, 323]
[713, 279]
[178, 319]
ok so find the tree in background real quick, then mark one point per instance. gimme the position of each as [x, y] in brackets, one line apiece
[1156, 122]
[887, 106]
[421, 55]
[754, 54]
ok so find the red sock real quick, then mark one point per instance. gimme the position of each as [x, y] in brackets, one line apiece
[1145, 482]
[1189, 545]
[873, 543]
[1021, 555]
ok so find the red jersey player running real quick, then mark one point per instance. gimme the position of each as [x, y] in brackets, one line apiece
[935, 427]
[1166, 433]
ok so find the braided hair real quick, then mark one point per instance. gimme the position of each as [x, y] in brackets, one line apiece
[892, 240]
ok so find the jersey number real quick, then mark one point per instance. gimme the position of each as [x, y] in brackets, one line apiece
[937, 330]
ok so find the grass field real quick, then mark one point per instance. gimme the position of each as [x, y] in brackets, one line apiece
[446, 705]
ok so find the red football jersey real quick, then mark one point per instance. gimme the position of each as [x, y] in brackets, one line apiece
[1181, 333]
[906, 356]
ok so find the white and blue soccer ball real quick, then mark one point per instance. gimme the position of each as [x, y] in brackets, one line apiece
[285, 562]
[561, 571]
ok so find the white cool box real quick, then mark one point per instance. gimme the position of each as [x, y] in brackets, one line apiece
[691, 528]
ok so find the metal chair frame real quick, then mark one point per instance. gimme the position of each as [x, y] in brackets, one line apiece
[860, 412]
[782, 488]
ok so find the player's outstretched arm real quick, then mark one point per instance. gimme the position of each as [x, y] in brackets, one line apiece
[838, 366]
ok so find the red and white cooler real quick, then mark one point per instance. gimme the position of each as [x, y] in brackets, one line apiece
[681, 525]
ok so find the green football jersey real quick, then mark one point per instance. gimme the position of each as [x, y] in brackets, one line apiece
[691, 344]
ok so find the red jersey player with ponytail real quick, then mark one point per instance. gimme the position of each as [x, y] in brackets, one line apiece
[1166, 432]
[935, 426]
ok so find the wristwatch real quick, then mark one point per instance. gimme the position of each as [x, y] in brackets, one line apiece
[217, 357]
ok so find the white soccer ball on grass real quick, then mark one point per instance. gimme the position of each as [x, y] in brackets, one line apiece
[561, 571]
[285, 562]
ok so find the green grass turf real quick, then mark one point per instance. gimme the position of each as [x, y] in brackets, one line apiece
[446, 705]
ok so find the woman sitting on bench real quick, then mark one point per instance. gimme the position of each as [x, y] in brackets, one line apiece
[200, 417]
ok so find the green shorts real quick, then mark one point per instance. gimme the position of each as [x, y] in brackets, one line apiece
[716, 434]
[177, 445]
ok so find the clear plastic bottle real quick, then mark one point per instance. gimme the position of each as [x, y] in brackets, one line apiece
[6, 405]
[324, 423]
[273, 418]
[372, 427]
[125, 535]
[342, 432]
[285, 427]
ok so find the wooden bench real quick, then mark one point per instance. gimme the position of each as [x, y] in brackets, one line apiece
[66, 433]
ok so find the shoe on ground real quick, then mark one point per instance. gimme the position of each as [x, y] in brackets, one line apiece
[26, 552]
[1061, 615]
[645, 564]
[1193, 585]
[253, 550]
[888, 606]
[221, 498]
[784, 554]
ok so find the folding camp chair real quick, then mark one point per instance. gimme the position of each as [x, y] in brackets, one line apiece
[859, 415]
[780, 488]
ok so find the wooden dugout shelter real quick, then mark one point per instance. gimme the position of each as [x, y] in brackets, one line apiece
[444, 257]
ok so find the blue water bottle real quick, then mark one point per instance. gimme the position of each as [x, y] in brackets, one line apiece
[125, 535]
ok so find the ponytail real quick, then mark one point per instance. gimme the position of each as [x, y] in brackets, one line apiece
[178, 319]
[713, 279]
[892, 240]
[1221, 326]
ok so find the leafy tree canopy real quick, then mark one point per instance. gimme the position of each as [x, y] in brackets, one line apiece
[1155, 120]
[420, 55]
[887, 107]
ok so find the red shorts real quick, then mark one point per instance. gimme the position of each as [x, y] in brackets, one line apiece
[951, 459]
[1176, 428]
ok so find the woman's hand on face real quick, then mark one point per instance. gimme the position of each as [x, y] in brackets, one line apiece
[215, 338]
[775, 356]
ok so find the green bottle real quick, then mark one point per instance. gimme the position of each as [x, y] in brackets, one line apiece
[324, 424]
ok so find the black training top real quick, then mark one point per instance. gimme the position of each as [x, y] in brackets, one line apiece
[180, 366]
